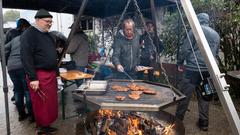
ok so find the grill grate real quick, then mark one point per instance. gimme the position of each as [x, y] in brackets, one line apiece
[165, 96]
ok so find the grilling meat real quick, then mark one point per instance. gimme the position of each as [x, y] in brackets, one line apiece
[135, 87]
[119, 88]
[149, 91]
[142, 88]
[120, 98]
[137, 92]
[134, 96]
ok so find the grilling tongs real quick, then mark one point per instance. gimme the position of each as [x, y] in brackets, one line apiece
[128, 76]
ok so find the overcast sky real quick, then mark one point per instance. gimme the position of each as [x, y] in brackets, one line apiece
[61, 22]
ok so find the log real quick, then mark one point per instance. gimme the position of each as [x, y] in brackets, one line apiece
[118, 128]
[106, 125]
[93, 129]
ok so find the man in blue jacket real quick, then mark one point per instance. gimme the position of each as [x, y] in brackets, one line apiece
[192, 77]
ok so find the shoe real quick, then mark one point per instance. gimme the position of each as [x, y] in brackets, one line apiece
[13, 98]
[40, 132]
[203, 125]
[22, 117]
[49, 129]
[52, 129]
[31, 119]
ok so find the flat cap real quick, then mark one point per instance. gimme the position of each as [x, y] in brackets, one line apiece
[42, 13]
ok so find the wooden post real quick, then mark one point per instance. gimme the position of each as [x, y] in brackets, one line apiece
[73, 29]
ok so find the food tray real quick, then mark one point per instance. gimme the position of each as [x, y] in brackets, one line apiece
[94, 88]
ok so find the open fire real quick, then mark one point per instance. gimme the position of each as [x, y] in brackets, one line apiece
[133, 123]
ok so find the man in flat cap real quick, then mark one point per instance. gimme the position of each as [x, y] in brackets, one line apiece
[38, 53]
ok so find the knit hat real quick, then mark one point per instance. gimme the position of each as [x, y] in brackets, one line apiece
[42, 13]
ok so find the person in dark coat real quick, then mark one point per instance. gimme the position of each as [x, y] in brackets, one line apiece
[192, 76]
[18, 77]
[126, 51]
[78, 49]
[39, 57]
[12, 33]
[151, 46]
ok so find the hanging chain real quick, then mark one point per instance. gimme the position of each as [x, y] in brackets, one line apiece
[109, 50]
[144, 25]
[189, 40]
[154, 47]
[122, 15]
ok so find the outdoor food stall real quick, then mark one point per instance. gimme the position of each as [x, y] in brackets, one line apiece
[128, 106]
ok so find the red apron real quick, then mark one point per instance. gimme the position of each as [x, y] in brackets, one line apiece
[45, 101]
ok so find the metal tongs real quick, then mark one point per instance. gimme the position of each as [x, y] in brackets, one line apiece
[128, 76]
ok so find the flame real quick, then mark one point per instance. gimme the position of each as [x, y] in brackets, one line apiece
[133, 127]
[108, 113]
[168, 129]
[110, 132]
[134, 123]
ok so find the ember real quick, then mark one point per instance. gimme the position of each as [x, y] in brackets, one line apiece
[120, 123]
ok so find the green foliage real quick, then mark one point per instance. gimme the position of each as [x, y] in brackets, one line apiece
[228, 25]
[11, 15]
[225, 19]
[92, 41]
[172, 34]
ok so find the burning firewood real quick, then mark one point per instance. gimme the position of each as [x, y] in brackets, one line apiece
[119, 123]
[119, 126]
[106, 125]
[94, 129]
[168, 130]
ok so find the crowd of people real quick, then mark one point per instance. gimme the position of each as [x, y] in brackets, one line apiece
[32, 65]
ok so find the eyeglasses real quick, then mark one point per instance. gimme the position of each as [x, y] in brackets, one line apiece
[47, 21]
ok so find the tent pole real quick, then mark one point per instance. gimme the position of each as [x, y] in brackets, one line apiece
[73, 29]
[218, 78]
[3, 64]
[154, 19]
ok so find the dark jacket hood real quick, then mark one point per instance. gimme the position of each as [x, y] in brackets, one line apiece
[203, 19]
